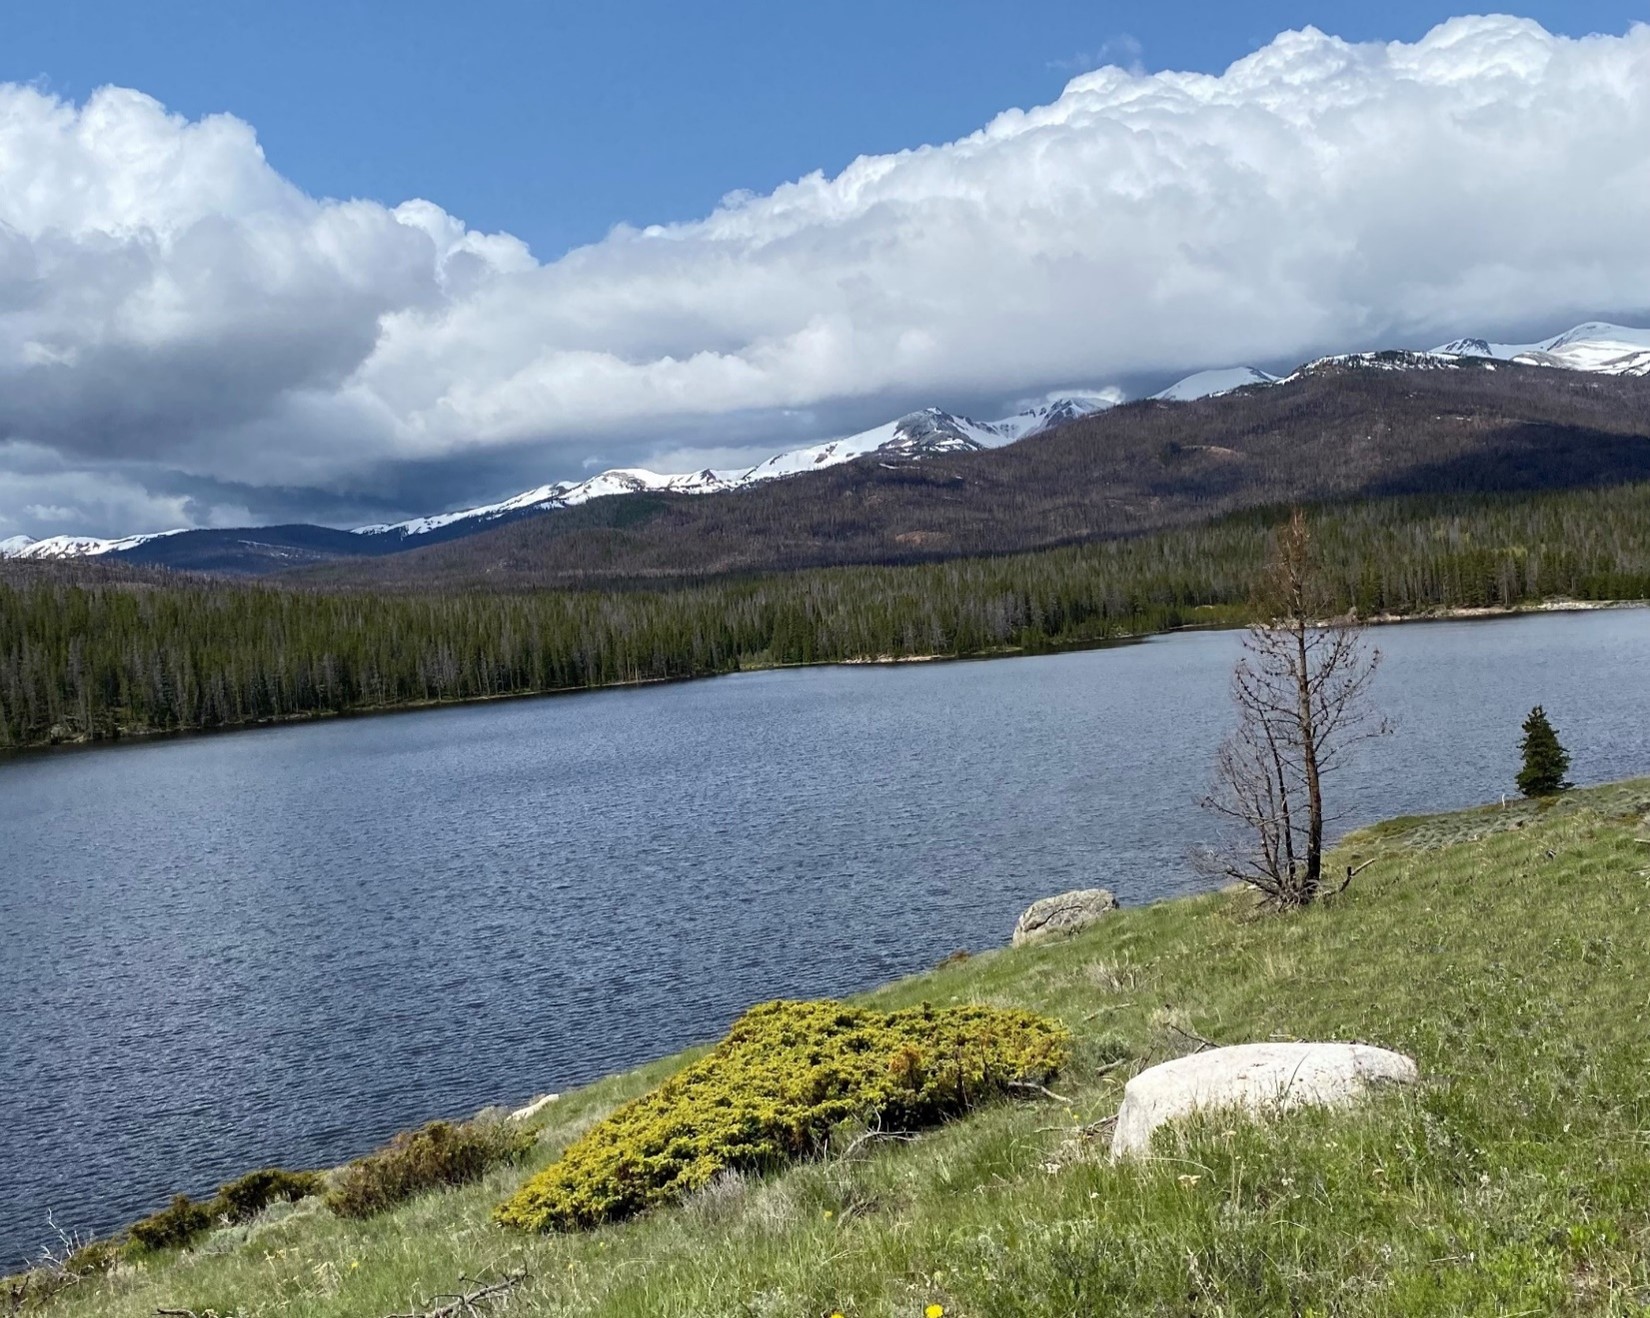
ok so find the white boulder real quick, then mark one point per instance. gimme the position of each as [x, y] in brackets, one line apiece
[1065, 914]
[1256, 1077]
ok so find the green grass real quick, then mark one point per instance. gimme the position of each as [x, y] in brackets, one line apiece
[1508, 951]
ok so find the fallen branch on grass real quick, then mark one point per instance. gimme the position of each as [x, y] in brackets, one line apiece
[467, 1302]
[902, 1136]
[1038, 1089]
[1198, 1039]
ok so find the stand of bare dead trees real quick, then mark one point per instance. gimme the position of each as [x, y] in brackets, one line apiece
[1302, 697]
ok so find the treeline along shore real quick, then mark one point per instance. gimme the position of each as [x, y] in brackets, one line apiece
[91, 655]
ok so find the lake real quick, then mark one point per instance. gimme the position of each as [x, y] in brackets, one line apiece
[281, 946]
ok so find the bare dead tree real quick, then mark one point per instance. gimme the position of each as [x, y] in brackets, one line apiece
[1301, 691]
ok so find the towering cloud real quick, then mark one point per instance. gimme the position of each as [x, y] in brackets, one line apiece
[183, 333]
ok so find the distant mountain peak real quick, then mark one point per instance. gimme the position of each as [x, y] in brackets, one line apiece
[1596, 346]
[1212, 384]
[76, 546]
[924, 432]
[1466, 348]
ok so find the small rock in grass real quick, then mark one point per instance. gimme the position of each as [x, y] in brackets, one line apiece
[1065, 914]
[1257, 1077]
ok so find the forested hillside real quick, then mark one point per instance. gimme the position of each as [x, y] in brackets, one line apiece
[1344, 429]
[99, 652]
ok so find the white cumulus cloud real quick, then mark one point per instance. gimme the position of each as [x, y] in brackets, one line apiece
[176, 312]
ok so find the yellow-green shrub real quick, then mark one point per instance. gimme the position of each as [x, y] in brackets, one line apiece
[787, 1073]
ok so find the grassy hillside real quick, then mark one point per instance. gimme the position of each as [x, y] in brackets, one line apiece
[1508, 950]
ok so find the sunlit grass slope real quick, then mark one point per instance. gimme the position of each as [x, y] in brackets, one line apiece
[1507, 950]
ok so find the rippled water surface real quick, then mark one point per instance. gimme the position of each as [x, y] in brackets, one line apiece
[283, 945]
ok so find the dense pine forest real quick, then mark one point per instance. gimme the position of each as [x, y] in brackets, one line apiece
[94, 654]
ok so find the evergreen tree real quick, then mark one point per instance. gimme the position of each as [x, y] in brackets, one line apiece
[1545, 761]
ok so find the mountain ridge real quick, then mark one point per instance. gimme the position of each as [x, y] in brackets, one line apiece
[1363, 427]
[1591, 347]
[917, 434]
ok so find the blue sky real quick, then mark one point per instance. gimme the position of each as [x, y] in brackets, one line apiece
[352, 262]
[553, 121]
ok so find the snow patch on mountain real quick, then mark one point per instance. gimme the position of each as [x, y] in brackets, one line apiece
[917, 434]
[913, 435]
[1211, 384]
[563, 494]
[1390, 359]
[1596, 346]
[75, 546]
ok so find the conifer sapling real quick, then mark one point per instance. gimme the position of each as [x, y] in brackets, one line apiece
[1545, 761]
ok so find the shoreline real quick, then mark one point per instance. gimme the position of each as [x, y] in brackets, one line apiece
[1445, 613]
[1386, 836]
[1472, 612]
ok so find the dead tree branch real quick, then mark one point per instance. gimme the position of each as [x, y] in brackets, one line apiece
[1029, 1087]
[1198, 1039]
[1352, 872]
[873, 1135]
[469, 1304]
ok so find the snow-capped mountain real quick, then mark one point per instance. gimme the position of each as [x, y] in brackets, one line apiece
[561, 494]
[1595, 346]
[1211, 384]
[75, 546]
[915, 435]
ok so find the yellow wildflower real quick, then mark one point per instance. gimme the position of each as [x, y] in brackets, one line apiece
[934, 1311]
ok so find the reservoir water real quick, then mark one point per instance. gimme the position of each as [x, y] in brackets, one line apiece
[281, 946]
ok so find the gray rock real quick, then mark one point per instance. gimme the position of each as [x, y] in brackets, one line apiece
[1065, 914]
[1255, 1077]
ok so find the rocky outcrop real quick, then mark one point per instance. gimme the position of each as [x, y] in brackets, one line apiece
[1255, 1077]
[1065, 914]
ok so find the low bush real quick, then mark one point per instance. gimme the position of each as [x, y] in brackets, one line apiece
[440, 1154]
[243, 1199]
[176, 1225]
[773, 1090]
[182, 1221]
